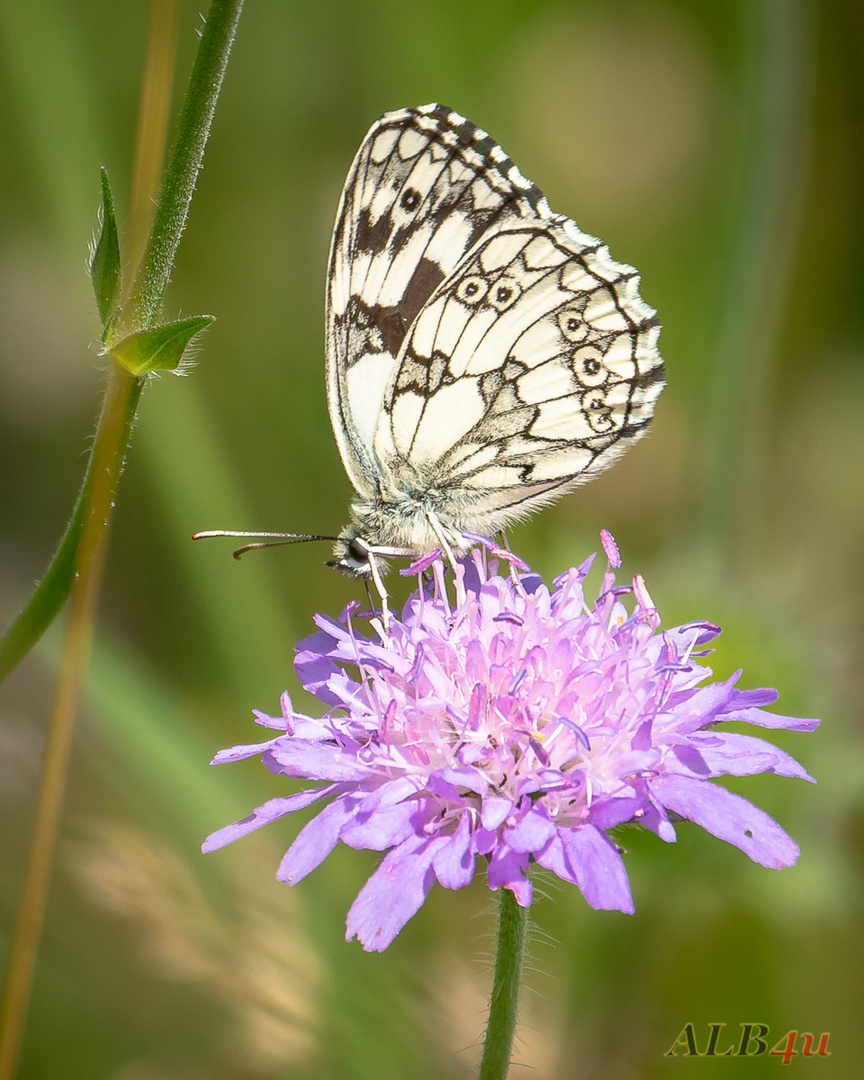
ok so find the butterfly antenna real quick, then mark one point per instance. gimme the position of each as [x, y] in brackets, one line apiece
[276, 539]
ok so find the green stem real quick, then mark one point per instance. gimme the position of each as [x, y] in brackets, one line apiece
[50, 594]
[78, 564]
[504, 1004]
[87, 562]
[143, 307]
[185, 164]
[53, 590]
[157, 86]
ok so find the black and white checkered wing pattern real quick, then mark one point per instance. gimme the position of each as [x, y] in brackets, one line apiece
[425, 185]
[484, 355]
[528, 371]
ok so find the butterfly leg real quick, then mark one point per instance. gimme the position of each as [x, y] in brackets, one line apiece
[375, 574]
[447, 550]
[438, 529]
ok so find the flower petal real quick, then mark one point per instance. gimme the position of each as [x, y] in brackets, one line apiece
[728, 753]
[774, 720]
[316, 840]
[454, 862]
[314, 665]
[495, 811]
[321, 761]
[532, 832]
[263, 815]
[510, 869]
[237, 753]
[587, 857]
[393, 894]
[382, 829]
[729, 817]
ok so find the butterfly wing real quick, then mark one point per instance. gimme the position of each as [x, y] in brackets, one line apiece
[529, 369]
[425, 185]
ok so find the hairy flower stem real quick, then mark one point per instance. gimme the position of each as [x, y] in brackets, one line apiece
[504, 1003]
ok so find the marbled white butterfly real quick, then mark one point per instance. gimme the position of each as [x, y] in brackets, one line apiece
[484, 356]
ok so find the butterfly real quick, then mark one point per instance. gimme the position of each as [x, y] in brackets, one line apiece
[484, 356]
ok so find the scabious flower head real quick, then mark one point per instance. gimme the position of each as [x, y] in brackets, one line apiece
[517, 724]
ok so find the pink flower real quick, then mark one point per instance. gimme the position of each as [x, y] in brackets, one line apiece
[517, 724]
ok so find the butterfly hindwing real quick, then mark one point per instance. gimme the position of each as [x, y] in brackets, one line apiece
[528, 370]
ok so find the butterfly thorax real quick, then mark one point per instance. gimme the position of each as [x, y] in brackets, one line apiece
[403, 525]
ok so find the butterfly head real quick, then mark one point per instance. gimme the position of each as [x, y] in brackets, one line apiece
[353, 555]
[357, 557]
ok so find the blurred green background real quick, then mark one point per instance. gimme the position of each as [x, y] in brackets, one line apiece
[717, 147]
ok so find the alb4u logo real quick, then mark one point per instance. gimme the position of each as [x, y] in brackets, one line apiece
[753, 1043]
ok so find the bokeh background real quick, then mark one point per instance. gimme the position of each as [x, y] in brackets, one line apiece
[715, 146]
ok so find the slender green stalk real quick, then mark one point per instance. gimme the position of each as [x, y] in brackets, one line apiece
[504, 1004]
[145, 300]
[78, 564]
[156, 93]
[187, 157]
[90, 556]
[52, 591]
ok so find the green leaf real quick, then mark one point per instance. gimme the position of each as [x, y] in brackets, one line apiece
[159, 348]
[105, 263]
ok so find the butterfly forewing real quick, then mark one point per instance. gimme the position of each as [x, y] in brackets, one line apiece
[422, 189]
[484, 355]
